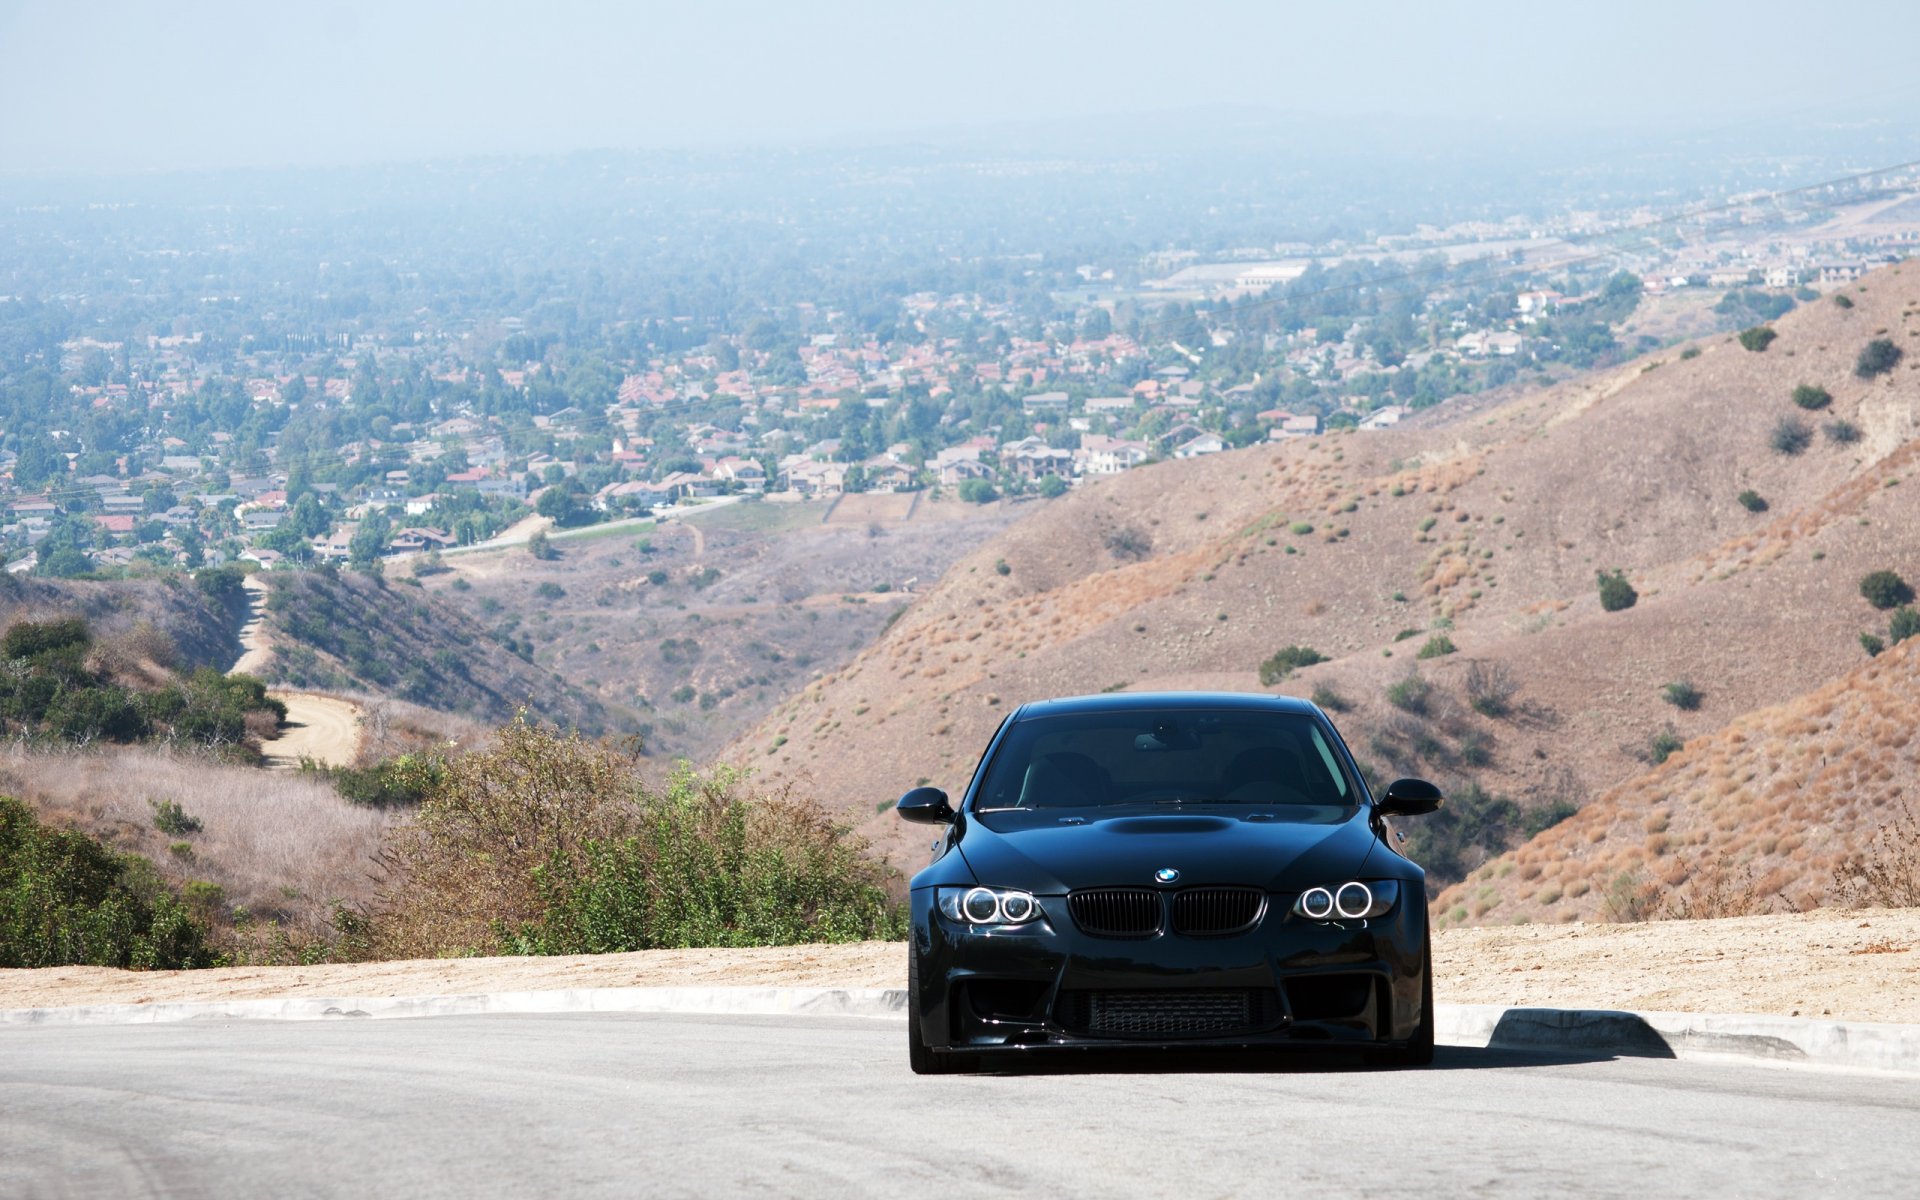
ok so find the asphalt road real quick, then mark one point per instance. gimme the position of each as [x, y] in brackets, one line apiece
[703, 1106]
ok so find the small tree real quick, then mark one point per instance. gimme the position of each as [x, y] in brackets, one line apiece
[1286, 661]
[1877, 357]
[1682, 695]
[1615, 592]
[1811, 398]
[1490, 688]
[540, 547]
[1905, 624]
[1758, 338]
[1790, 437]
[1752, 501]
[1885, 589]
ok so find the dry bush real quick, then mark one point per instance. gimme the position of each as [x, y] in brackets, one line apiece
[283, 849]
[1887, 873]
[1716, 889]
[544, 844]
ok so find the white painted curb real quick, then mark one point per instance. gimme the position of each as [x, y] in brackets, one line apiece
[735, 1001]
[1849, 1044]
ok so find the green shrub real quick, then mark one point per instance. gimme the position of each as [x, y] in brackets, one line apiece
[977, 491]
[169, 818]
[1286, 661]
[1752, 501]
[399, 782]
[1757, 338]
[1789, 436]
[1615, 592]
[1682, 695]
[1905, 624]
[1810, 397]
[67, 638]
[1664, 745]
[1877, 357]
[1411, 694]
[1885, 589]
[1000, 567]
[1690, 352]
[550, 591]
[1301, 528]
[1872, 644]
[1490, 688]
[1843, 301]
[1843, 433]
[1327, 698]
[1437, 646]
[67, 900]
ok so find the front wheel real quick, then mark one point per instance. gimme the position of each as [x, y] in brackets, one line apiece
[920, 1056]
[1418, 1052]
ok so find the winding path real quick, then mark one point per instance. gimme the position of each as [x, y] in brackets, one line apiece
[325, 729]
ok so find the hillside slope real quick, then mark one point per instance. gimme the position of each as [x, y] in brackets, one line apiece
[1753, 817]
[360, 633]
[706, 621]
[198, 618]
[1490, 530]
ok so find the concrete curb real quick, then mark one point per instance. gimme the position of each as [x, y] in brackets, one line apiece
[1848, 1044]
[734, 1001]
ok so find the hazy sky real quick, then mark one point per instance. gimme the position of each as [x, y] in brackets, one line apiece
[123, 84]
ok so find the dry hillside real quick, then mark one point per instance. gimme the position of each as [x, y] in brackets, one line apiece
[357, 633]
[199, 620]
[1490, 530]
[1753, 817]
[703, 623]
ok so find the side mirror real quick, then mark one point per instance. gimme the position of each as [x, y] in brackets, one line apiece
[925, 805]
[1408, 798]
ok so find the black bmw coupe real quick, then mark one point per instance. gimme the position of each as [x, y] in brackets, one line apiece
[1178, 870]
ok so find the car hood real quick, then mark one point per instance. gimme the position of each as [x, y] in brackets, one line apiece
[1044, 853]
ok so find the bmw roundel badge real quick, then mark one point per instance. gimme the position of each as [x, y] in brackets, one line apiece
[1166, 875]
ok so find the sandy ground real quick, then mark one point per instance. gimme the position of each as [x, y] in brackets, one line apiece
[325, 729]
[1851, 965]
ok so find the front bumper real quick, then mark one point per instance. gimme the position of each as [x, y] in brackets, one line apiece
[1286, 982]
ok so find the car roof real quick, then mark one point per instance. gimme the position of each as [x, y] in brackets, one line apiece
[1162, 701]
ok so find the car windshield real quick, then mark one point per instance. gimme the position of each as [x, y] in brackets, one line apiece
[1277, 762]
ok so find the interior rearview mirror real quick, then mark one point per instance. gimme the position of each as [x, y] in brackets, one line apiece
[1408, 798]
[926, 805]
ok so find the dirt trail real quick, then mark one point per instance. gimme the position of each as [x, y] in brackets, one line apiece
[1861, 965]
[256, 649]
[325, 729]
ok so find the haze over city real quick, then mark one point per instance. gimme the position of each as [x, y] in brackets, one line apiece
[125, 85]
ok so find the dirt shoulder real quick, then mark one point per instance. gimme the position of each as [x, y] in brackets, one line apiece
[1847, 965]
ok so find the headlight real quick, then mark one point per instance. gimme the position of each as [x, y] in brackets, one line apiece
[1350, 901]
[987, 906]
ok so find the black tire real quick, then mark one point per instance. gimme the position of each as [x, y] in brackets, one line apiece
[1418, 1052]
[921, 1057]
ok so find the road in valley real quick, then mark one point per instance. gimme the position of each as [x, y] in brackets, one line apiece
[605, 1105]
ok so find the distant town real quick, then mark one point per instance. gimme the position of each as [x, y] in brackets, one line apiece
[174, 450]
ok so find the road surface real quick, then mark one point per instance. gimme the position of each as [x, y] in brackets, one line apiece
[710, 1106]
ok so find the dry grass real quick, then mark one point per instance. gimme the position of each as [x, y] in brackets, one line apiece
[285, 848]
